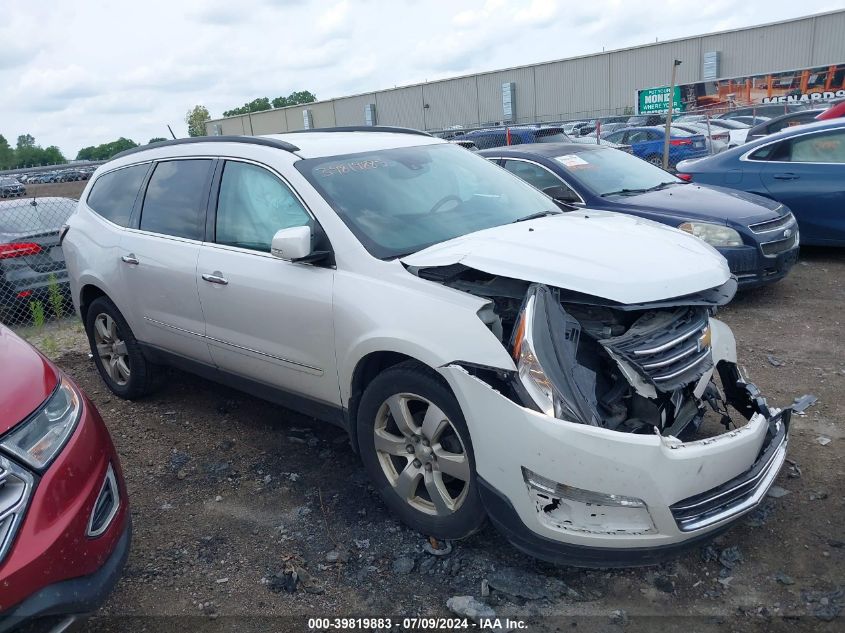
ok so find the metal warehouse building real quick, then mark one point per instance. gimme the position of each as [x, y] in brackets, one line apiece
[587, 86]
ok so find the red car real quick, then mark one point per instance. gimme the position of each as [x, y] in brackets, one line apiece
[64, 518]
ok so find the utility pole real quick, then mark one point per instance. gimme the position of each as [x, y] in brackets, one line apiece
[675, 65]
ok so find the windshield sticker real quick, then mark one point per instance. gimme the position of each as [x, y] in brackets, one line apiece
[571, 160]
[341, 169]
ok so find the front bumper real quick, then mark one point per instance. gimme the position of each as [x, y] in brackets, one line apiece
[752, 268]
[53, 565]
[77, 596]
[665, 473]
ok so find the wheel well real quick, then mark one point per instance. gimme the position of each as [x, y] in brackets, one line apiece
[86, 297]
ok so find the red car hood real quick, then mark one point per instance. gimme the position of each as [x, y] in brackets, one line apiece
[26, 379]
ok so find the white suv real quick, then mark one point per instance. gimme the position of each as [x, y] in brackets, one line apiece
[489, 353]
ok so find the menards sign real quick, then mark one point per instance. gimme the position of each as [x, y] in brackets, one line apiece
[818, 83]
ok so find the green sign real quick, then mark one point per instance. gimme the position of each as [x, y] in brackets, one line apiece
[657, 100]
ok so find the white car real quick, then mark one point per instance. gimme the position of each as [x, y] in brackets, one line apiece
[488, 354]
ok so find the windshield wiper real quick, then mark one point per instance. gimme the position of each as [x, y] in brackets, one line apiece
[538, 214]
[623, 192]
[662, 185]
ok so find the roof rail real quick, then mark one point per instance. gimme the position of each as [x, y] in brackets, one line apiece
[364, 128]
[252, 140]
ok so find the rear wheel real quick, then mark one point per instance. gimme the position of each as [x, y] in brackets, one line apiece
[416, 448]
[656, 160]
[116, 352]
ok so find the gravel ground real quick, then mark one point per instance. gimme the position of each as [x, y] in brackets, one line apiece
[231, 494]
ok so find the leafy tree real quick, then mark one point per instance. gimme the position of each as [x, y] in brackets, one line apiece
[256, 105]
[196, 118]
[294, 98]
[7, 154]
[156, 139]
[52, 155]
[106, 150]
[26, 140]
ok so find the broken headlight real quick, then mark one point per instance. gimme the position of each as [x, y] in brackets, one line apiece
[714, 234]
[544, 347]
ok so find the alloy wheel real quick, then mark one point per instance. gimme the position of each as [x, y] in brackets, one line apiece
[111, 349]
[421, 454]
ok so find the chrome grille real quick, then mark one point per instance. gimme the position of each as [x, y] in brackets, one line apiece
[669, 348]
[775, 247]
[15, 488]
[777, 224]
[740, 494]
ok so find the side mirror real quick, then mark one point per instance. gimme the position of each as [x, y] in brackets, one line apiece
[292, 244]
[560, 193]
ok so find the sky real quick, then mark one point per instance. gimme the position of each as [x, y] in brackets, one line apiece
[87, 72]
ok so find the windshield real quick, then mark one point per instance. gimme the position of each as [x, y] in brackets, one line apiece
[401, 200]
[607, 172]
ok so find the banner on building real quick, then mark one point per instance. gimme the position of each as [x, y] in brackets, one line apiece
[805, 85]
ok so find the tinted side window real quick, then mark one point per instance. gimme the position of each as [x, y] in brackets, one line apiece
[828, 147]
[113, 194]
[175, 198]
[253, 204]
[533, 174]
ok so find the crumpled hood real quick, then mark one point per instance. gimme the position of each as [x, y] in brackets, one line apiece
[617, 257]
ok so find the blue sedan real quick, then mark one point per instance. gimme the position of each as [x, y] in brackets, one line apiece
[757, 236]
[647, 143]
[803, 167]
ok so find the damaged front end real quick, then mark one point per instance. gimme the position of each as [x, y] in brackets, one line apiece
[663, 370]
[631, 368]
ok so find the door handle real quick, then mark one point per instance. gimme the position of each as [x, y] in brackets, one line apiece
[786, 176]
[130, 259]
[215, 278]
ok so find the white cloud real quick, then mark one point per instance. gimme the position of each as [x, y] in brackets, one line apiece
[86, 72]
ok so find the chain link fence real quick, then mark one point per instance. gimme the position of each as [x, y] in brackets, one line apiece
[33, 279]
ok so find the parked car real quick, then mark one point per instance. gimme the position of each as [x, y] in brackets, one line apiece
[488, 354]
[764, 109]
[749, 120]
[521, 134]
[465, 144]
[737, 130]
[64, 518]
[716, 138]
[835, 110]
[646, 120]
[601, 178]
[802, 167]
[31, 257]
[11, 188]
[647, 143]
[781, 122]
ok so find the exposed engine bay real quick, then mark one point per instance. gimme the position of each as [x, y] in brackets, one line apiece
[630, 368]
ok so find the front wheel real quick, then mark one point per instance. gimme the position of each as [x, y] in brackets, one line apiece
[416, 448]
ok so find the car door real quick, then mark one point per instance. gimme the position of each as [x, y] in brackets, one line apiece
[807, 173]
[266, 319]
[158, 258]
[541, 178]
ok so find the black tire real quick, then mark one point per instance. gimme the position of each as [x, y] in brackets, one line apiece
[411, 377]
[142, 373]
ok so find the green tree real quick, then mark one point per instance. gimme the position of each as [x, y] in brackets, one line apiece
[28, 153]
[294, 98]
[52, 155]
[156, 139]
[26, 140]
[7, 154]
[106, 150]
[196, 118]
[256, 105]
